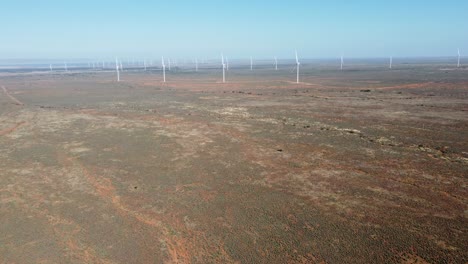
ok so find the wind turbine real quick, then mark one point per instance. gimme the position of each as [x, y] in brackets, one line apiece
[297, 66]
[342, 62]
[251, 63]
[227, 64]
[169, 61]
[65, 65]
[458, 64]
[164, 69]
[391, 62]
[224, 68]
[117, 69]
[276, 63]
[50, 67]
[121, 66]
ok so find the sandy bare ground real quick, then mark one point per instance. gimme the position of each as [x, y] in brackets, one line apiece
[11, 129]
[356, 168]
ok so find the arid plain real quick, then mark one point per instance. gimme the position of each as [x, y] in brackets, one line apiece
[365, 165]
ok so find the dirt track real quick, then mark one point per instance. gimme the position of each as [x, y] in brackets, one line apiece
[16, 101]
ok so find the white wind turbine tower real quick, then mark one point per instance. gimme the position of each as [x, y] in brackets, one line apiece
[276, 63]
[458, 64]
[224, 68]
[391, 62]
[297, 66]
[342, 62]
[50, 67]
[164, 69]
[121, 66]
[65, 65]
[169, 61]
[251, 63]
[227, 64]
[117, 69]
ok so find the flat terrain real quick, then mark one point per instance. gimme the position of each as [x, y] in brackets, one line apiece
[367, 165]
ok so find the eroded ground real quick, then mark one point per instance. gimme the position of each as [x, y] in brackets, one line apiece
[360, 166]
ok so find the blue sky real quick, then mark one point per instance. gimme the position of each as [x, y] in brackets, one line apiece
[317, 29]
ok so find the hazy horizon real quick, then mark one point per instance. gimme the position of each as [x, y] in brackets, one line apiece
[84, 29]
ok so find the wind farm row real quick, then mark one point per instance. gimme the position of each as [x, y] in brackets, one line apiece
[195, 64]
